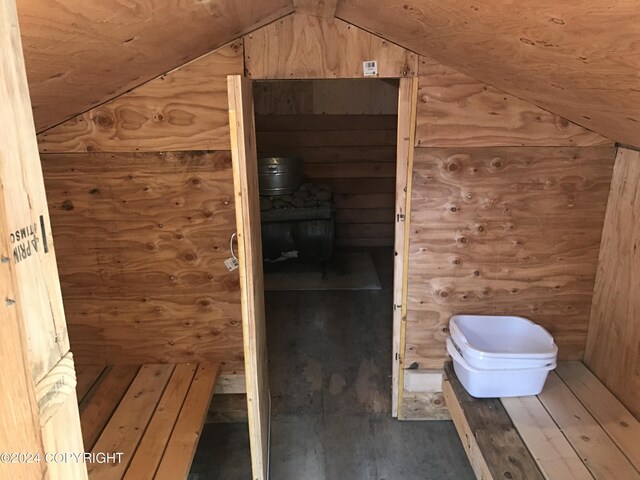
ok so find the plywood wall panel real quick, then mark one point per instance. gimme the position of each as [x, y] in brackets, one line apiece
[184, 109]
[300, 46]
[142, 239]
[613, 345]
[508, 230]
[456, 110]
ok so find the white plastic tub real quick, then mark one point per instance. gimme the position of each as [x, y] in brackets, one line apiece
[499, 342]
[487, 383]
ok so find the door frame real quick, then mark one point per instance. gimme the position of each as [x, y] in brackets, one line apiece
[407, 108]
[244, 158]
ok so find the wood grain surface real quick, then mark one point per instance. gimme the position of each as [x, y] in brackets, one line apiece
[80, 55]
[301, 46]
[613, 346]
[184, 109]
[142, 240]
[246, 193]
[493, 445]
[578, 60]
[455, 110]
[504, 231]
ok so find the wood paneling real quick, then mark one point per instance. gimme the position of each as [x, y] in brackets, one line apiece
[300, 46]
[578, 60]
[182, 110]
[613, 346]
[455, 110]
[142, 240]
[504, 231]
[81, 54]
[355, 155]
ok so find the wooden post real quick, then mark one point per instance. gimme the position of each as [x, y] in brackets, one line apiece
[39, 411]
[407, 103]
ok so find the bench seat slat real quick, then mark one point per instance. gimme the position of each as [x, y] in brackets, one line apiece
[184, 438]
[601, 456]
[130, 420]
[86, 377]
[98, 406]
[617, 421]
[499, 444]
[550, 449]
[152, 446]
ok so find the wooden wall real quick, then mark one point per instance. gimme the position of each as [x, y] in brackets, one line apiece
[352, 149]
[507, 209]
[300, 46]
[184, 109]
[147, 282]
[613, 344]
[141, 194]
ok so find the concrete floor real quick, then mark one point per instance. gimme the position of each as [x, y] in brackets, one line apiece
[330, 364]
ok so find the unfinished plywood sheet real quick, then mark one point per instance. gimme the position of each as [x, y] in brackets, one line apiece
[301, 46]
[613, 346]
[80, 55]
[578, 60]
[182, 110]
[456, 110]
[143, 239]
[504, 231]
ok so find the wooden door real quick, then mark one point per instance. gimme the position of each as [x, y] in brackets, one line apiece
[245, 181]
[38, 401]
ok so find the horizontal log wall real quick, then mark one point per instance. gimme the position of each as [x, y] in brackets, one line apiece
[507, 209]
[354, 152]
[141, 195]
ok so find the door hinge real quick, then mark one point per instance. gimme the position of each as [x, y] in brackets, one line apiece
[400, 217]
[397, 306]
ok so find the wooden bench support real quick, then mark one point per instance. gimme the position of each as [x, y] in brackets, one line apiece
[574, 430]
[153, 414]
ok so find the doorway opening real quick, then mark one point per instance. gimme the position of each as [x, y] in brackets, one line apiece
[327, 242]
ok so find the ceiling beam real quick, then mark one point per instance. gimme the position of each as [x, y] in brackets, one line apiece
[316, 8]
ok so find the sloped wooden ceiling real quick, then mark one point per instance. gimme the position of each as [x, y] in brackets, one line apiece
[579, 60]
[81, 53]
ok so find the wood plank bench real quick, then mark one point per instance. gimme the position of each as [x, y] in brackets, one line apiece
[575, 429]
[153, 414]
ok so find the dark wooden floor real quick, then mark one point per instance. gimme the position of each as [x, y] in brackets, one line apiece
[330, 365]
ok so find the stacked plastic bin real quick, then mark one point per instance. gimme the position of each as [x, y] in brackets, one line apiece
[496, 356]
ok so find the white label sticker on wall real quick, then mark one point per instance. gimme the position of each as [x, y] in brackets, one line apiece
[231, 264]
[370, 68]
